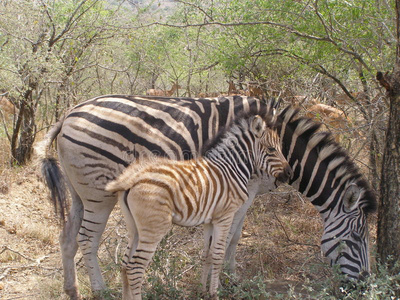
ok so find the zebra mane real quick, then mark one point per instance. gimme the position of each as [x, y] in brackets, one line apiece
[307, 132]
[266, 111]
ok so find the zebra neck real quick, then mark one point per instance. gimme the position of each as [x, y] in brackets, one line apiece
[232, 160]
[321, 169]
[321, 178]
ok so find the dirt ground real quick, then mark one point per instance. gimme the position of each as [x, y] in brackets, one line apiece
[29, 250]
[280, 243]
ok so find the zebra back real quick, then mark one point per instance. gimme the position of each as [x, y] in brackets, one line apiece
[181, 126]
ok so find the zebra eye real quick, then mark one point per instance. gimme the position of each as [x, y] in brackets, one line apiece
[271, 149]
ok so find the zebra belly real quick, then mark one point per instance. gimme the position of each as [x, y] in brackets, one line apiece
[186, 223]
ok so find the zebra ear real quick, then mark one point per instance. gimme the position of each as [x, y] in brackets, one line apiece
[352, 196]
[258, 126]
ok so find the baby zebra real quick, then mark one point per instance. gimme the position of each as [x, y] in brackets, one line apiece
[160, 192]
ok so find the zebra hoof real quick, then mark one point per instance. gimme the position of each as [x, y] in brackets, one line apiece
[73, 295]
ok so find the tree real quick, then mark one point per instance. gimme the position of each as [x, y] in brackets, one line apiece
[44, 43]
[389, 206]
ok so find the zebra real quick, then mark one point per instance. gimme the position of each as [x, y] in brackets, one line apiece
[157, 192]
[324, 173]
[100, 137]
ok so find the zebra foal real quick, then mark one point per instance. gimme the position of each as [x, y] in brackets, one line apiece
[208, 190]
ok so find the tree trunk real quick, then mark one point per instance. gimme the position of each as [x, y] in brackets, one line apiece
[24, 132]
[389, 204]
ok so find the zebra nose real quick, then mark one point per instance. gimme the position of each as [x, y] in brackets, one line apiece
[288, 171]
[285, 174]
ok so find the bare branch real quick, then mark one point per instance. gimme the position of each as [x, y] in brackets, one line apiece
[284, 26]
[196, 6]
[73, 19]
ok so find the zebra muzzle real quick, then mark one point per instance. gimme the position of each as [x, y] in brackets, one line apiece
[285, 175]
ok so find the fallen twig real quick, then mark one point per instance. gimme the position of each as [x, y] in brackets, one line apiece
[5, 273]
[287, 235]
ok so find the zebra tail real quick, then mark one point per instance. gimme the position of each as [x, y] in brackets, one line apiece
[51, 172]
[118, 185]
[127, 179]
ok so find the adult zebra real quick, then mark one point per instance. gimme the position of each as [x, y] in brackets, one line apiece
[99, 138]
[155, 193]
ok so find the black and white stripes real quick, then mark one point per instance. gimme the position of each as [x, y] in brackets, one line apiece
[99, 138]
[323, 172]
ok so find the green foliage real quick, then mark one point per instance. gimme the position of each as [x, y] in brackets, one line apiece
[106, 50]
[164, 274]
[254, 288]
[380, 285]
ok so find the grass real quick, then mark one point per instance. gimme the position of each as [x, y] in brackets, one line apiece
[40, 232]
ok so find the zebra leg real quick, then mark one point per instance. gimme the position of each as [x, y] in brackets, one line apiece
[153, 221]
[93, 224]
[69, 245]
[206, 256]
[236, 229]
[141, 258]
[131, 248]
[218, 244]
[125, 283]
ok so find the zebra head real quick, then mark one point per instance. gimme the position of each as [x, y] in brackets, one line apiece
[345, 239]
[269, 158]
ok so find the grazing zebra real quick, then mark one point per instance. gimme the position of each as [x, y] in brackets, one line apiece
[99, 138]
[208, 190]
[323, 172]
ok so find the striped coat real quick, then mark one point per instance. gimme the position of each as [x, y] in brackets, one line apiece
[156, 192]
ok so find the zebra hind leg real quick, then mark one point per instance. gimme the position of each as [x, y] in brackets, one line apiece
[130, 250]
[152, 224]
[93, 224]
[139, 261]
[69, 246]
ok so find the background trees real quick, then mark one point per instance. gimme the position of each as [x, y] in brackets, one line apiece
[47, 49]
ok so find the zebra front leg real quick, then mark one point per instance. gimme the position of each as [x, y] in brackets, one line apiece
[236, 228]
[69, 246]
[218, 245]
[206, 256]
[232, 243]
